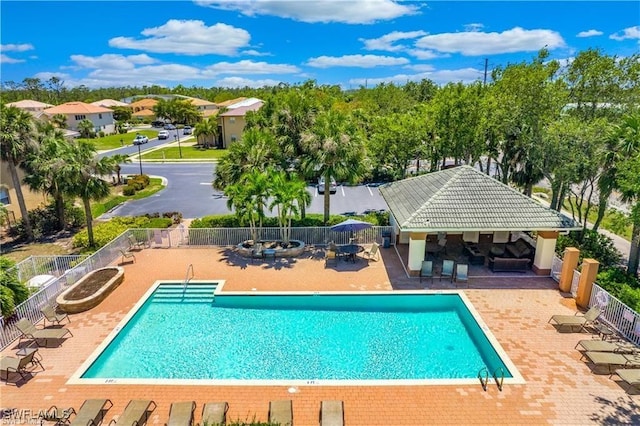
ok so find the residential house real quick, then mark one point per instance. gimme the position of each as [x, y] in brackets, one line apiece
[110, 103]
[8, 193]
[101, 117]
[232, 121]
[143, 109]
[29, 105]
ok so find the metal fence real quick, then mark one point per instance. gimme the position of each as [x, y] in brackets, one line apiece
[616, 314]
[50, 265]
[575, 280]
[556, 268]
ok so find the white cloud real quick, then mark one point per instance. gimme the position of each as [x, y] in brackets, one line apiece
[479, 43]
[350, 12]
[359, 61]
[589, 33]
[420, 67]
[188, 37]
[465, 75]
[16, 47]
[244, 82]
[426, 54]
[253, 52]
[4, 59]
[473, 27]
[627, 33]
[112, 61]
[386, 42]
[250, 67]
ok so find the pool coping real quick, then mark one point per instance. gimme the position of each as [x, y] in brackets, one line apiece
[76, 377]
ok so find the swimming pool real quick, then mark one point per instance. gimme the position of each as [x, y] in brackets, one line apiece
[305, 338]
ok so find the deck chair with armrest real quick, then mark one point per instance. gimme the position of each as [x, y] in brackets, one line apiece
[462, 273]
[127, 254]
[215, 413]
[136, 413]
[29, 331]
[426, 271]
[54, 317]
[332, 413]
[611, 360]
[631, 376]
[11, 364]
[281, 412]
[330, 256]
[372, 252]
[447, 269]
[134, 244]
[579, 321]
[91, 412]
[181, 413]
[595, 345]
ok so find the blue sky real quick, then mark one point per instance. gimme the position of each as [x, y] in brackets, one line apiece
[262, 42]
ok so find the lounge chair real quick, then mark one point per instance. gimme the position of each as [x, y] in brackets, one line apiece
[281, 412]
[215, 413]
[594, 345]
[126, 254]
[373, 251]
[580, 321]
[10, 364]
[427, 270]
[29, 331]
[91, 412]
[181, 413]
[136, 413]
[447, 269]
[610, 360]
[332, 413]
[462, 273]
[630, 376]
[54, 317]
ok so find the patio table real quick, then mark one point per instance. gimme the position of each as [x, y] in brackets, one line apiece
[350, 251]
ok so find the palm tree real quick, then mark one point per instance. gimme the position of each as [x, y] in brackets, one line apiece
[86, 128]
[206, 132]
[60, 121]
[17, 139]
[120, 159]
[334, 149]
[249, 198]
[82, 177]
[288, 196]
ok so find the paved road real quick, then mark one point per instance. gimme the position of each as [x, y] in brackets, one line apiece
[153, 143]
[189, 191]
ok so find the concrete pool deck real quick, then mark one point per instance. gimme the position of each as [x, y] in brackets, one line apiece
[560, 388]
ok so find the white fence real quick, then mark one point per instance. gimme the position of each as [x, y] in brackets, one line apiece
[616, 314]
[556, 268]
[574, 282]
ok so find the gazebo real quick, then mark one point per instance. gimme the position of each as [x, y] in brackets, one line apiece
[464, 204]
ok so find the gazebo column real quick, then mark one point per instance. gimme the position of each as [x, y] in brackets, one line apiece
[545, 251]
[417, 245]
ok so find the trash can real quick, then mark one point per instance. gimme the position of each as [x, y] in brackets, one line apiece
[386, 239]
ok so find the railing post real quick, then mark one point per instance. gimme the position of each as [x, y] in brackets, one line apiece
[587, 278]
[569, 263]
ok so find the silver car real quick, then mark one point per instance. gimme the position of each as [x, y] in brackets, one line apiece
[332, 187]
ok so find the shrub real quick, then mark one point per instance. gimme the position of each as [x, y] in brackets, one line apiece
[104, 232]
[128, 191]
[622, 285]
[44, 220]
[311, 219]
[591, 244]
[12, 291]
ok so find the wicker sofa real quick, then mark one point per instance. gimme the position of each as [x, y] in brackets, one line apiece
[509, 264]
[520, 249]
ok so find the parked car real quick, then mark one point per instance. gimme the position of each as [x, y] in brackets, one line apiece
[187, 130]
[157, 123]
[332, 187]
[169, 127]
[140, 139]
[163, 134]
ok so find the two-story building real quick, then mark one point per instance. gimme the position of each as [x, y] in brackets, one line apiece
[101, 117]
[232, 121]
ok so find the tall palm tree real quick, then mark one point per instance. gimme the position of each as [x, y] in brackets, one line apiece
[17, 139]
[60, 121]
[249, 198]
[334, 149]
[119, 159]
[82, 175]
[288, 197]
[86, 128]
[206, 132]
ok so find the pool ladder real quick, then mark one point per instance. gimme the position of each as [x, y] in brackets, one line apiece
[187, 278]
[483, 376]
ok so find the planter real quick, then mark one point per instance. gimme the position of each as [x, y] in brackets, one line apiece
[295, 249]
[90, 290]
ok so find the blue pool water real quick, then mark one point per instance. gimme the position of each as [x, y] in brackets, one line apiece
[299, 337]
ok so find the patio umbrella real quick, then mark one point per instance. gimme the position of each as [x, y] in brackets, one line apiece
[351, 225]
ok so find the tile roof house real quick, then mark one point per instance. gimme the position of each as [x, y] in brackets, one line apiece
[29, 105]
[232, 121]
[110, 103]
[465, 202]
[101, 117]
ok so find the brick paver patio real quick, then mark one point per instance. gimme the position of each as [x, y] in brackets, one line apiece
[560, 388]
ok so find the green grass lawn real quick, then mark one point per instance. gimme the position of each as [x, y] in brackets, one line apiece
[189, 152]
[113, 141]
[116, 198]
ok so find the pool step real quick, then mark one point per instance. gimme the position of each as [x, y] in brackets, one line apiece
[192, 293]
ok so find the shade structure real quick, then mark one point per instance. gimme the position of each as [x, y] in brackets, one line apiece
[351, 225]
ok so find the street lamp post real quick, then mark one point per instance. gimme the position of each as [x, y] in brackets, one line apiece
[177, 136]
[140, 159]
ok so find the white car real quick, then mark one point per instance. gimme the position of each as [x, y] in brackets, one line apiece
[332, 187]
[140, 139]
[163, 134]
[187, 130]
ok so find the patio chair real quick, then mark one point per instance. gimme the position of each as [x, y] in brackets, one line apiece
[610, 360]
[594, 345]
[91, 412]
[181, 413]
[29, 331]
[631, 376]
[126, 254]
[54, 317]
[10, 364]
[136, 413]
[447, 269]
[134, 244]
[332, 413]
[580, 321]
[330, 256]
[427, 270]
[281, 412]
[462, 273]
[215, 413]
[373, 251]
